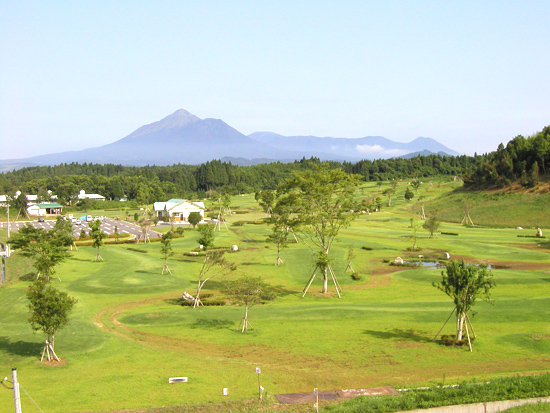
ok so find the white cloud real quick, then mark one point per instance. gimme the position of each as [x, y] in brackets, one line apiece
[379, 150]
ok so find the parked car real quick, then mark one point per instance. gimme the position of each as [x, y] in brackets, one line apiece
[41, 219]
[89, 218]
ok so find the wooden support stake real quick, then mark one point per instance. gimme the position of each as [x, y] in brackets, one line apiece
[335, 281]
[448, 318]
[471, 326]
[468, 335]
[310, 281]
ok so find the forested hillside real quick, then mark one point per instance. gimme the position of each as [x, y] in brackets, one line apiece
[152, 183]
[523, 160]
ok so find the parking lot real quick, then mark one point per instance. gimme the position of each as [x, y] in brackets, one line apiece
[108, 226]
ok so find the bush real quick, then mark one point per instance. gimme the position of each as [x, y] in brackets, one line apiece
[355, 276]
[268, 296]
[449, 233]
[367, 248]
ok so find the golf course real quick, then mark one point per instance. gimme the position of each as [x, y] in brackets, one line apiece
[129, 332]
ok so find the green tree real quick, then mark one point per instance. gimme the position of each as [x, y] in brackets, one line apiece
[245, 290]
[432, 224]
[464, 284]
[46, 247]
[166, 250]
[415, 183]
[408, 194]
[64, 232]
[389, 193]
[214, 264]
[323, 204]
[266, 199]
[194, 218]
[19, 203]
[97, 235]
[414, 227]
[282, 223]
[206, 238]
[49, 309]
[350, 257]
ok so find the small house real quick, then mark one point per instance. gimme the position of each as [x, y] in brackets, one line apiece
[39, 210]
[177, 209]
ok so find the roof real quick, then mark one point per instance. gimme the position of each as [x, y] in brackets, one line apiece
[50, 205]
[174, 203]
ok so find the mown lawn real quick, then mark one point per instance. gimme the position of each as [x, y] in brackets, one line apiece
[128, 335]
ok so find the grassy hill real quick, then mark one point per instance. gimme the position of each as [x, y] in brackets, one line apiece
[129, 334]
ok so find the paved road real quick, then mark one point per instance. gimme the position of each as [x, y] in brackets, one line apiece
[108, 226]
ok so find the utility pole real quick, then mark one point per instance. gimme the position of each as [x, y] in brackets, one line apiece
[16, 398]
[3, 253]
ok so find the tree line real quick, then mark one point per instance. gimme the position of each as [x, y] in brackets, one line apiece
[524, 160]
[152, 183]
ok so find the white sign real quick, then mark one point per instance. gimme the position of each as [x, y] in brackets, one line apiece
[177, 380]
[258, 371]
[225, 391]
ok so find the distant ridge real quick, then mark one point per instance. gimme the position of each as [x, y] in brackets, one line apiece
[184, 138]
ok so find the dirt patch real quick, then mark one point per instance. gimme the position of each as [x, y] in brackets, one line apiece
[155, 315]
[53, 363]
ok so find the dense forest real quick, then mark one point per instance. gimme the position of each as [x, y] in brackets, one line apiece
[152, 183]
[523, 160]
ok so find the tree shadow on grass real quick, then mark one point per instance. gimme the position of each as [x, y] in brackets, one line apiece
[20, 348]
[73, 258]
[212, 324]
[400, 335]
[28, 277]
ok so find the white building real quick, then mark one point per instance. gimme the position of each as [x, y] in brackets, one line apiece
[178, 209]
[83, 195]
[40, 210]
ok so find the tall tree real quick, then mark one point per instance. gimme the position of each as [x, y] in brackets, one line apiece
[323, 203]
[49, 309]
[246, 290]
[166, 250]
[97, 235]
[464, 284]
[206, 238]
[214, 264]
[432, 223]
[19, 203]
[46, 247]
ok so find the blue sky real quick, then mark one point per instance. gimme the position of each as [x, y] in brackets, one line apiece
[79, 74]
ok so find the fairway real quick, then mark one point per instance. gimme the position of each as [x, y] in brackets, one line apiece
[128, 334]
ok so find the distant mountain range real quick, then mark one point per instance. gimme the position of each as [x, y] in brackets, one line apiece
[185, 138]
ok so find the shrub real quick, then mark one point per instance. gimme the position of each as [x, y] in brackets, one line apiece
[355, 276]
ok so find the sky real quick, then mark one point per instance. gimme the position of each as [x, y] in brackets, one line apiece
[81, 74]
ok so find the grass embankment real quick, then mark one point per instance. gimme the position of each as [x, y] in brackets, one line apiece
[127, 336]
[509, 388]
[496, 208]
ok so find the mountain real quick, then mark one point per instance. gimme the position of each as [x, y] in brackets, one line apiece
[369, 147]
[184, 138]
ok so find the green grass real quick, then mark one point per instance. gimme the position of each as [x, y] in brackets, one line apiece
[127, 337]
[467, 392]
[531, 408]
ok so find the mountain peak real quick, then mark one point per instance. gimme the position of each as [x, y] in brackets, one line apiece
[177, 119]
